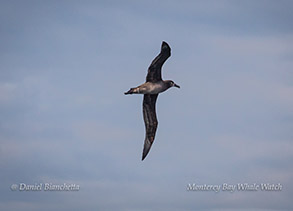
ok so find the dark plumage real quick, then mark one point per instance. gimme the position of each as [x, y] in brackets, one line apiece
[151, 89]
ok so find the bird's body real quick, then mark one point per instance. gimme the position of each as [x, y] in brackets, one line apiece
[150, 89]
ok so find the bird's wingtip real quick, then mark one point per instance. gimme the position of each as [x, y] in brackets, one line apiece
[164, 43]
[146, 149]
[165, 46]
[144, 154]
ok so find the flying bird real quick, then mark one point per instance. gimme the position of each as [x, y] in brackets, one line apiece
[151, 89]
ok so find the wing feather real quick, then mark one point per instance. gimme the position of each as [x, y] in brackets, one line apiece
[150, 120]
[155, 69]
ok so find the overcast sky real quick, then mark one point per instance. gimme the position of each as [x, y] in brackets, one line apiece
[64, 66]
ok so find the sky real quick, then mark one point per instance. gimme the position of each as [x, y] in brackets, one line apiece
[64, 66]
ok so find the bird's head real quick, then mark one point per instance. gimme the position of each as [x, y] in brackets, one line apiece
[171, 84]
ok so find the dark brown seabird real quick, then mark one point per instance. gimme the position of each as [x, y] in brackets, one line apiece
[151, 88]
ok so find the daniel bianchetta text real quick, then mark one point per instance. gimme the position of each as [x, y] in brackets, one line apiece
[45, 187]
[235, 187]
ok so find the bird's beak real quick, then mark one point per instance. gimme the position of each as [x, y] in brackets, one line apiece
[176, 85]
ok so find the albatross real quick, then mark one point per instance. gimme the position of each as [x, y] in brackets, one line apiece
[151, 89]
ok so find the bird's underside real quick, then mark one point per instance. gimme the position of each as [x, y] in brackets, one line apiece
[150, 89]
[149, 100]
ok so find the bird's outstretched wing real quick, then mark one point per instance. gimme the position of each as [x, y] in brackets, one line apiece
[154, 71]
[150, 120]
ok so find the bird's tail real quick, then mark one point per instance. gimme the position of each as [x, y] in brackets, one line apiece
[131, 91]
